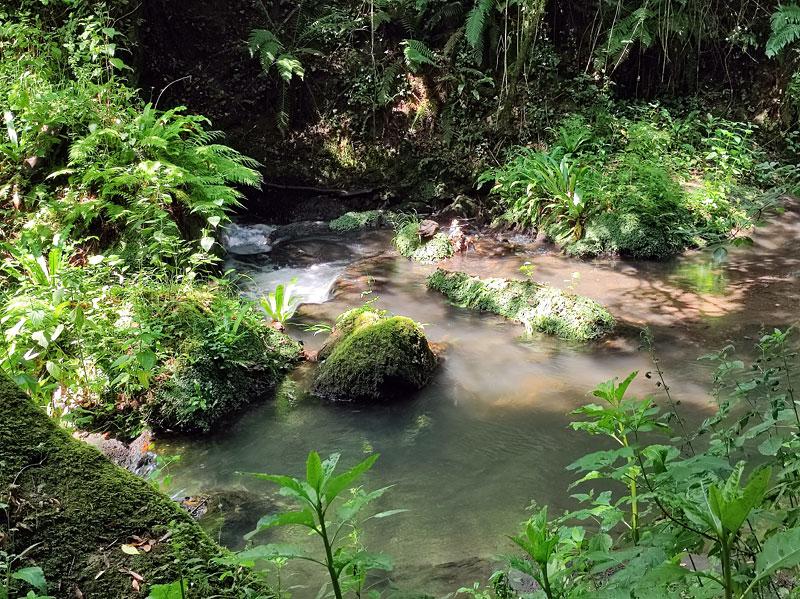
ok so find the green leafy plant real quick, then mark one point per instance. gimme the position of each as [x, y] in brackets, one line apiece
[333, 519]
[281, 304]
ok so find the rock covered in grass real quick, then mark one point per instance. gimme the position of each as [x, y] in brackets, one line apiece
[538, 307]
[372, 356]
[631, 235]
[411, 244]
[359, 221]
[205, 390]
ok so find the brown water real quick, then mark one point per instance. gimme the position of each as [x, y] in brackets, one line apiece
[490, 434]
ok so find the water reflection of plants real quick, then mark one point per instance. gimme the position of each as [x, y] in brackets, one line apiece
[701, 277]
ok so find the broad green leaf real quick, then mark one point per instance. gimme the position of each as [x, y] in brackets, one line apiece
[339, 483]
[207, 243]
[302, 518]
[175, 590]
[781, 550]
[147, 359]
[771, 446]
[34, 576]
[314, 470]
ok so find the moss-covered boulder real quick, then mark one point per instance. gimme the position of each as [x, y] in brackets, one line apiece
[631, 235]
[373, 356]
[204, 389]
[79, 517]
[410, 244]
[360, 221]
[538, 307]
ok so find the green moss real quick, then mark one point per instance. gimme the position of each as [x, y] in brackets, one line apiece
[408, 243]
[631, 235]
[357, 221]
[538, 307]
[373, 356]
[205, 390]
[74, 509]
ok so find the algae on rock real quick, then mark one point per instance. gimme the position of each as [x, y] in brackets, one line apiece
[373, 356]
[408, 242]
[72, 510]
[539, 307]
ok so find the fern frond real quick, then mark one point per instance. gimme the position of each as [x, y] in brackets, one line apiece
[475, 26]
[785, 28]
[453, 41]
[418, 54]
[264, 44]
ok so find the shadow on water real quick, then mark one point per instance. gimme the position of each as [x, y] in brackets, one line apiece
[490, 434]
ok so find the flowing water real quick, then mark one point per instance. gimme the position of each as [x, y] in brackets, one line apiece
[489, 436]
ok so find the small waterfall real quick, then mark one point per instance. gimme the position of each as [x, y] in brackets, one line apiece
[313, 285]
[247, 240]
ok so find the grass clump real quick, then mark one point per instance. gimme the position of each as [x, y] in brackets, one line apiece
[538, 307]
[408, 242]
[373, 356]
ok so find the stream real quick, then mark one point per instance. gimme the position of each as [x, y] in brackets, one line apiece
[470, 453]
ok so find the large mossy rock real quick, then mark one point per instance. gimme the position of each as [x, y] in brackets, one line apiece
[71, 510]
[206, 390]
[372, 356]
[538, 307]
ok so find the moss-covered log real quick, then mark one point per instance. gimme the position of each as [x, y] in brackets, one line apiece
[538, 307]
[372, 356]
[71, 511]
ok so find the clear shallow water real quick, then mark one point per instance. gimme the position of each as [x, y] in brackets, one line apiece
[490, 434]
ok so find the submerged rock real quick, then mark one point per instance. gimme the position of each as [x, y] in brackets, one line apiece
[410, 242]
[539, 307]
[372, 356]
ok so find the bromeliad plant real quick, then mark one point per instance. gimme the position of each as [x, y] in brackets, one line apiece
[329, 508]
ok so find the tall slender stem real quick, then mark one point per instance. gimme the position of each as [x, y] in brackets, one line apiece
[323, 532]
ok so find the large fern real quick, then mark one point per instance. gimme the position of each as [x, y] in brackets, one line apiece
[637, 27]
[475, 27]
[785, 28]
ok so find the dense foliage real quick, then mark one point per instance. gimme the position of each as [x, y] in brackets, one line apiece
[639, 128]
[109, 210]
[640, 182]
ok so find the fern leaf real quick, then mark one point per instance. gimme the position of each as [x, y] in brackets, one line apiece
[476, 25]
[785, 28]
[418, 54]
